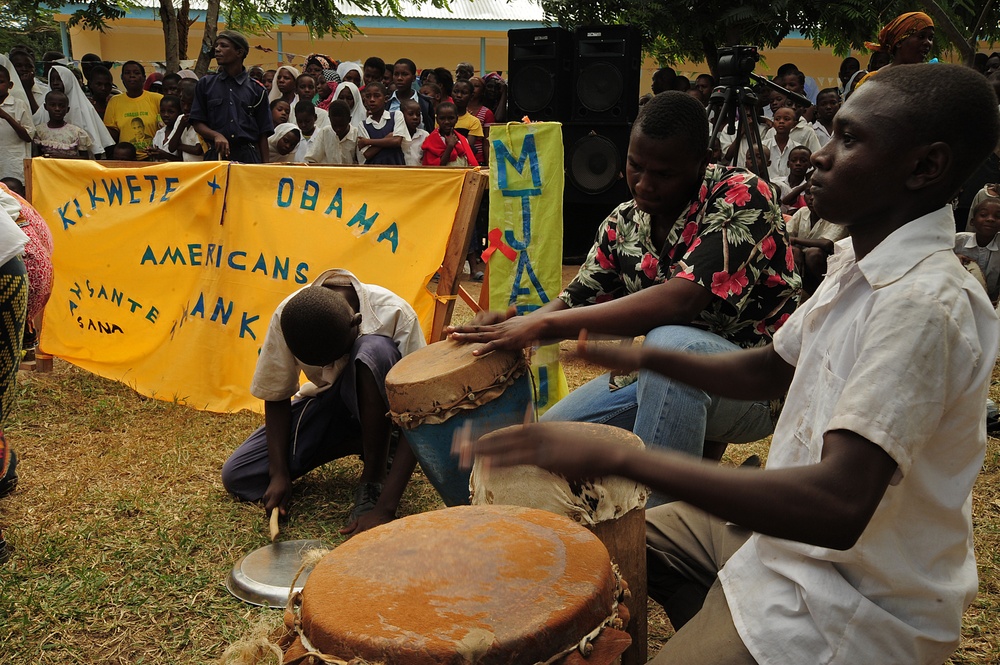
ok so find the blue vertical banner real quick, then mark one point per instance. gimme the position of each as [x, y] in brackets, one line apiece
[524, 251]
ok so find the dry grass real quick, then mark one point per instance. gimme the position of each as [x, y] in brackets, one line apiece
[124, 535]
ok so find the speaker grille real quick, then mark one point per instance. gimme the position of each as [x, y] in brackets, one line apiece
[533, 89]
[594, 164]
[599, 87]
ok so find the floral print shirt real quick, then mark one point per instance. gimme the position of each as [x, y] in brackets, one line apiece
[731, 240]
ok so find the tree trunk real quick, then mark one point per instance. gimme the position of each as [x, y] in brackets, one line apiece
[711, 56]
[957, 38]
[168, 17]
[184, 22]
[208, 41]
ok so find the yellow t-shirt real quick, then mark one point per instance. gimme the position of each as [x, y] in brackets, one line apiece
[136, 119]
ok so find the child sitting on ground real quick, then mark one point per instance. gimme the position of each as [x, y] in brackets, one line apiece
[279, 112]
[381, 135]
[791, 187]
[336, 143]
[812, 241]
[170, 111]
[344, 336]
[855, 545]
[413, 146]
[58, 138]
[16, 129]
[445, 146]
[281, 144]
[982, 246]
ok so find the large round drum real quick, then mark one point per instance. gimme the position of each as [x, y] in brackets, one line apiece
[610, 506]
[471, 584]
[438, 389]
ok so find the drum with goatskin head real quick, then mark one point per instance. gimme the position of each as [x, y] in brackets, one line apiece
[469, 584]
[610, 506]
[438, 389]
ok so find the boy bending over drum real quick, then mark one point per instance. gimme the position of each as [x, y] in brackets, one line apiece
[344, 336]
[855, 545]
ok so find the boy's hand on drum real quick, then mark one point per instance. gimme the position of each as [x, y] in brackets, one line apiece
[277, 495]
[546, 445]
[512, 333]
[615, 356]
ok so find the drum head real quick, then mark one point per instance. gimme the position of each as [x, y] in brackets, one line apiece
[471, 584]
[263, 577]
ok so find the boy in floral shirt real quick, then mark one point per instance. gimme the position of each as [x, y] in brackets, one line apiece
[697, 260]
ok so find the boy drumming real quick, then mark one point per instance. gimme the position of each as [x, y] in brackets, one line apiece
[856, 542]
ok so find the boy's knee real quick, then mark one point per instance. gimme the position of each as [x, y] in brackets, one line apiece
[376, 353]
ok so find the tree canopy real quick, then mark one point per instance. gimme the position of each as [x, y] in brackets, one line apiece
[675, 30]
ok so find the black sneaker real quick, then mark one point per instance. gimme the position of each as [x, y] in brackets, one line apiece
[9, 482]
[4, 550]
[365, 497]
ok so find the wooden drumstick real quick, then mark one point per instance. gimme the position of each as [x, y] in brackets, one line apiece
[274, 525]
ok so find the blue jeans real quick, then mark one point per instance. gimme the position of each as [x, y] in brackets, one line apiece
[666, 413]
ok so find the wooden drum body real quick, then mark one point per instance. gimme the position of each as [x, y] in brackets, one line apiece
[613, 508]
[470, 584]
[438, 389]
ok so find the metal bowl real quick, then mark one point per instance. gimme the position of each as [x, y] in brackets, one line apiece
[264, 577]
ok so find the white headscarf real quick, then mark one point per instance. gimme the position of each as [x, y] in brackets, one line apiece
[358, 113]
[345, 67]
[81, 112]
[277, 94]
[18, 89]
[272, 143]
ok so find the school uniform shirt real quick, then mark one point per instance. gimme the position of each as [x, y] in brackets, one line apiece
[800, 225]
[188, 137]
[779, 158]
[987, 258]
[160, 139]
[123, 110]
[328, 148]
[372, 129]
[382, 313]
[823, 135]
[802, 133]
[302, 147]
[897, 347]
[413, 151]
[13, 151]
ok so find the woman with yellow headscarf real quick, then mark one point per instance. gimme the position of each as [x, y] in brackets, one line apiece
[907, 39]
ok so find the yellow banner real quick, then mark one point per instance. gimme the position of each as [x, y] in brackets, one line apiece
[524, 248]
[166, 276]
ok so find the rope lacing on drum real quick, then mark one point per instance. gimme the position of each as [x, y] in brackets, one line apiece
[586, 645]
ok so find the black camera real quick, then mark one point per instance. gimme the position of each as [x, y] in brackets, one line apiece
[736, 63]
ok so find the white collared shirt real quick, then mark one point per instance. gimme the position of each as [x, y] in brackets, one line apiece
[13, 151]
[899, 348]
[382, 313]
[822, 133]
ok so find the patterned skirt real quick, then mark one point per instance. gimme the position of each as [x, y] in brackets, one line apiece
[13, 306]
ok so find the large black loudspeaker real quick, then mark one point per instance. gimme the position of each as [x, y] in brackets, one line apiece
[540, 66]
[595, 182]
[606, 74]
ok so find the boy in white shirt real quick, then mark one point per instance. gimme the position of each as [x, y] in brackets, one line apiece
[337, 143]
[855, 544]
[412, 147]
[16, 129]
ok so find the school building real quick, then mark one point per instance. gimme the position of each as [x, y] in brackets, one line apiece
[472, 31]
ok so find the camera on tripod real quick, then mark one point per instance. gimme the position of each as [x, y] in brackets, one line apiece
[735, 64]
